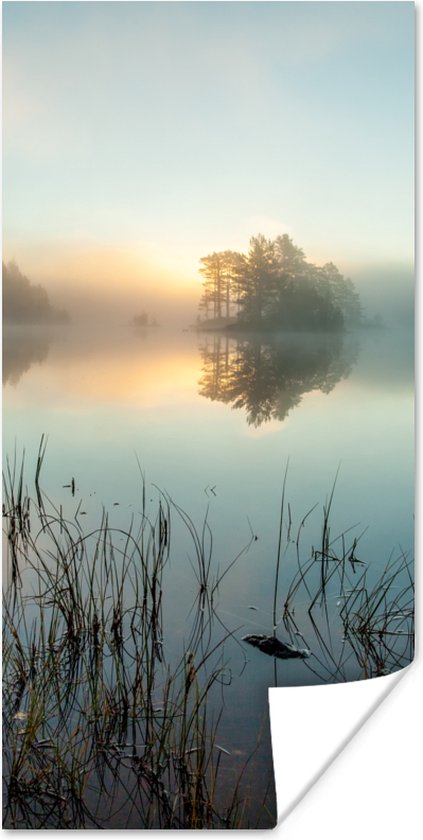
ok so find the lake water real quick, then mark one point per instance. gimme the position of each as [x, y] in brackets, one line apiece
[215, 422]
[165, 398]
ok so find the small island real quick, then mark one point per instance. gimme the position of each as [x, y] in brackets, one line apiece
[274, 288]
[143, 320]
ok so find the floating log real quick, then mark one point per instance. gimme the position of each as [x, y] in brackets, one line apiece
[274, 647]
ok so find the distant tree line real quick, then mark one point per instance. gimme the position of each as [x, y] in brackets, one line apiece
[274, 287]
[26, 303]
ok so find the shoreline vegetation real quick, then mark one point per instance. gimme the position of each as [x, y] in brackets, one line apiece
[273, 288]
[103, 727]
[25, 303]
[236, 329]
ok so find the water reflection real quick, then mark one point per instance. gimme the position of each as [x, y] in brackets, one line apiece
[21, 349]
[268, 377]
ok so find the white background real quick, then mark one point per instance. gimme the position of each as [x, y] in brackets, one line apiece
[374, 788]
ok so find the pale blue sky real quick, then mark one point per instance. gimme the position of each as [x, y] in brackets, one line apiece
[173, 129]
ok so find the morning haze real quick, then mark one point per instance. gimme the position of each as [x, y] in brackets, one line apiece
[208, 265]
[123, 169]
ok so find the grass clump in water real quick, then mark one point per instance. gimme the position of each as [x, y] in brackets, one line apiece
[110, 720]
[99, 729]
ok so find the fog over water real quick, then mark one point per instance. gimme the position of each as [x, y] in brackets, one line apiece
[111, 287]
[118, 289]
[387, 291]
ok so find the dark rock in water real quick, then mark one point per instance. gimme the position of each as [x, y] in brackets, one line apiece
[273, 647]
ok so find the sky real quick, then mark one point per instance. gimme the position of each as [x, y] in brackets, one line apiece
[138, 137]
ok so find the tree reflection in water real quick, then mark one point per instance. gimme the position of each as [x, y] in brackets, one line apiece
[267, 376]
[22, 347]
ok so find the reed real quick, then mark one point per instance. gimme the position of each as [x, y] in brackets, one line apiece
[107, 724]
[90, 702]
[355, 624]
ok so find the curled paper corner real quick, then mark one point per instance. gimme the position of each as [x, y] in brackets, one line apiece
[311, 726]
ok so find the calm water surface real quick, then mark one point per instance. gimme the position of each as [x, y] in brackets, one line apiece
[213, 422]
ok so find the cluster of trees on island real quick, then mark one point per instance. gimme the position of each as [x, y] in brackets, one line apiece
[143, 320]
[274, 287]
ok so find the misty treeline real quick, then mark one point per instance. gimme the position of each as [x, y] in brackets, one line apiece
[27, 303]
[275, 287]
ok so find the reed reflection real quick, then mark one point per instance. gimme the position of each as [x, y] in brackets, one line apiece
[268, 377]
